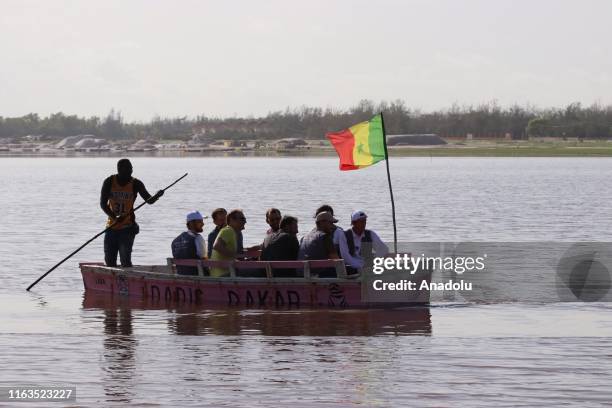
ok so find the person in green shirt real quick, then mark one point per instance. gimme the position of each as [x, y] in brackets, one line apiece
[225, 247]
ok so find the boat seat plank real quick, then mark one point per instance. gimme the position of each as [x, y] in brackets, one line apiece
[306, 266]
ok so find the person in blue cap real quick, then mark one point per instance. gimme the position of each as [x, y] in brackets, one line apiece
[190, 244]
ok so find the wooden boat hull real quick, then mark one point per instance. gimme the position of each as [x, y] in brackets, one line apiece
[156, 283]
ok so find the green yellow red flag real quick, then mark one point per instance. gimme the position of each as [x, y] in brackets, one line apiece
[360, 145]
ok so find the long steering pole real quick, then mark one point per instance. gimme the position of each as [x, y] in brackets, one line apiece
[94, 237]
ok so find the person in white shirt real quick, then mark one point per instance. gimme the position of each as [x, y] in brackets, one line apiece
[358, 238]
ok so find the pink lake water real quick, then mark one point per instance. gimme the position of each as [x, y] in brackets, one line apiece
[118, 352]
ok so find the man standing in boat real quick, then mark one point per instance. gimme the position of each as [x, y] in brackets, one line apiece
[117, 199]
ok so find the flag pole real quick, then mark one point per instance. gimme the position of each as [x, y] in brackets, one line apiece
[382, 120]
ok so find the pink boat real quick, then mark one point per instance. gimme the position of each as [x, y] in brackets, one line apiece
[161, 282]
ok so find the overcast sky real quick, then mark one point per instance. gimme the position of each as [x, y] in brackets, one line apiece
[223, 58]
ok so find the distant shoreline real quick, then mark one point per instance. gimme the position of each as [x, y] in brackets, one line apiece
[460, 148]
[421, 152]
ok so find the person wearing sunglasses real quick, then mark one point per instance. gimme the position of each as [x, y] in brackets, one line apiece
[225, 247]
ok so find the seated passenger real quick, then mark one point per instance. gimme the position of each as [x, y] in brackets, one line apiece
[318, 243]
[357, 238]
[273, 218]
[190, 244]
[340, 244]
[282, 245]
[225, 247]
[219, 218]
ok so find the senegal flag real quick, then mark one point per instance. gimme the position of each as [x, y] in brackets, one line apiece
[360, 145]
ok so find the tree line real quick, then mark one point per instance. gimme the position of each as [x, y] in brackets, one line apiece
[487, 120]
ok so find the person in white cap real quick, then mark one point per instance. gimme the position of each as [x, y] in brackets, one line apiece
[358, 238]
[190, 244]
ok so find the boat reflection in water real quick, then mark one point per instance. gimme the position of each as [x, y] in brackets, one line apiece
[185, 319]
[119, 353]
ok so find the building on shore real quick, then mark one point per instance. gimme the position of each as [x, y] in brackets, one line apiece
[70, 141]
[289, 143]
